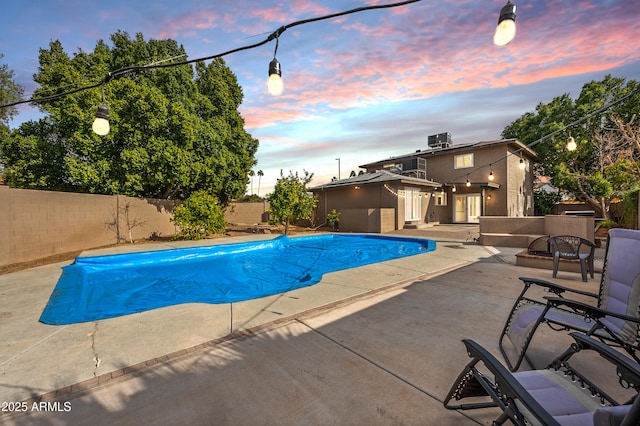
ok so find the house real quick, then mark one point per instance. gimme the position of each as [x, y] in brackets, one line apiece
[444, 183]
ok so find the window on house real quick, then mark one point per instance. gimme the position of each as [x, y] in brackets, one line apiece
[463, 161]
[521, 203]
[440, 199]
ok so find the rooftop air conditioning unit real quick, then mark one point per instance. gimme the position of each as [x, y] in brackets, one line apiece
[441, 140]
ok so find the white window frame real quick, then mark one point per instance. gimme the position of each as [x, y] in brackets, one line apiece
[462, 158]
[412, 203]
[440, 199]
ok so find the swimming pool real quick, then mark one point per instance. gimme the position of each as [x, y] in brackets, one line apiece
[101, 287]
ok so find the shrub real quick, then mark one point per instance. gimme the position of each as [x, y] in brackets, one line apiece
[333, 217]
[199, 216]
[607, 224]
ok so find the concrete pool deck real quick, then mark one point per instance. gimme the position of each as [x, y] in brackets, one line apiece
[379, 344]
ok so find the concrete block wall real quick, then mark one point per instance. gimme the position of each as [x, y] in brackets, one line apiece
[37, 224]
[246, 213]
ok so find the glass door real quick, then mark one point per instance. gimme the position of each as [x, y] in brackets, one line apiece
[467, 208]
[412, 204]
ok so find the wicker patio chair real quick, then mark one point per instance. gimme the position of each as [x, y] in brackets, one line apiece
[557, 395]
[615, 318]
[572, 247]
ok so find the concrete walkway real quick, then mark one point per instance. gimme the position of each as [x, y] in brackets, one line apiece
[379, 344]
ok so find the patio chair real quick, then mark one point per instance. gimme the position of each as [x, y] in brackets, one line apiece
[557, 395]
[571, 247]
[614, 319]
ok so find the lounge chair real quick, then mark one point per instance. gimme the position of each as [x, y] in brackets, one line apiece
[571, 247]
[557, 395]
[614, 319]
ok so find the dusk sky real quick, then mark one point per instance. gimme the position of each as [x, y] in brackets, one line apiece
[362, 87]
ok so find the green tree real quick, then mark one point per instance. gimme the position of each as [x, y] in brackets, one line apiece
[291, 200]
[174, 130]
[10, 92]
[545, 202]
[598, 170]
[199, 216]
[260, 174]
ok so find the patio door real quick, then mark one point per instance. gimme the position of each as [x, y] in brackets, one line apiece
[412, 204]
[467, 208]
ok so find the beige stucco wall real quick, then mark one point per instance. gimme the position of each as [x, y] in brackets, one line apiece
[580, 226]
[367, 220]
[38, 224]
[521, 231]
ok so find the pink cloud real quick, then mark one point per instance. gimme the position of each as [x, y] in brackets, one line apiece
[187, 24]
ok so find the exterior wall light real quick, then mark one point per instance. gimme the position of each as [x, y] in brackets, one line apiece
[571, 144]
[357, 187]
[506, 29]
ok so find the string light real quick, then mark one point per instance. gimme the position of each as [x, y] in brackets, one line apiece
[399, 194]
[522, 164]
[453, 189]
[571, 144]
[506, 29]
[468, 182]
[491, 172]
[101, 123]
[275, 85]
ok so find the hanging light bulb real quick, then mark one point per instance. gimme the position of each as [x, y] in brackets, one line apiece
[442, 190]
[453, 189]
[571, 144]
[491, 174]
[274, 84]
[506, 29]
[101, 123]
[468, 183]
[522, 164]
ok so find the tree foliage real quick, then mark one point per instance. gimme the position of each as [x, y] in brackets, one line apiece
[606, 163]
[10, 91]
[291, 200]
[174, 130]
[199, 216]
[545, 202]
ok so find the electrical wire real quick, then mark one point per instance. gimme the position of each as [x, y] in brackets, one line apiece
[271, 37]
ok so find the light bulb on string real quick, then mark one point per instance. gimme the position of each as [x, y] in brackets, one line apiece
[506, 29]
[571, 144]
[275, 86]
[101, 123]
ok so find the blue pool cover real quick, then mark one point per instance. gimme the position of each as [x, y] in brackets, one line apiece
[100, 287]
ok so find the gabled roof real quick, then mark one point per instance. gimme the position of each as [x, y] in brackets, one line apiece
[379, 176]
[454, 148]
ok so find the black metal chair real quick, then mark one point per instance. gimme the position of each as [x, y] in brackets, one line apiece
[572, 247]
[615, 318]
[556, 395]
